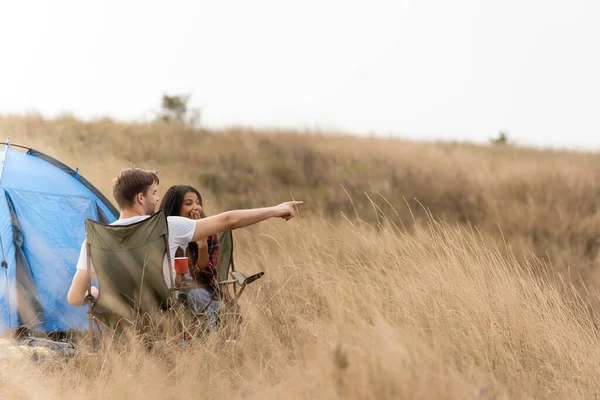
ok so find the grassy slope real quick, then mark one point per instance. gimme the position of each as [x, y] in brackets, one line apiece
[539, 201]
[347, 309]
[346, 312]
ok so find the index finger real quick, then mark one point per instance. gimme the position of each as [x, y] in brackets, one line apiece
[295, 203]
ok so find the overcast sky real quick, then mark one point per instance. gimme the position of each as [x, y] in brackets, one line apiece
[424, 69]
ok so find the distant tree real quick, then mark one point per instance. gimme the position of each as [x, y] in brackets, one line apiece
[502, 139]
[174, 109]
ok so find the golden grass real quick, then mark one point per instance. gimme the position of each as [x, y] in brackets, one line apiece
[349, 309]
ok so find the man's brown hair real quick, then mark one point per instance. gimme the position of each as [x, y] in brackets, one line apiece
[131, 181]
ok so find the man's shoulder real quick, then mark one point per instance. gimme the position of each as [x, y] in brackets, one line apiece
[181, 229]
[130, 220]
[183, 222]
[180, 220]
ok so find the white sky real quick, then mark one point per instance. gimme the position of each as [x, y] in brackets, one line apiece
[424, 69]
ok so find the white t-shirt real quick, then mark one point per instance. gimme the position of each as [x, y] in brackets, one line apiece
[181, 232]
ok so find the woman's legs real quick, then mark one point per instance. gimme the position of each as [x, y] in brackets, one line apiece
[198, 299]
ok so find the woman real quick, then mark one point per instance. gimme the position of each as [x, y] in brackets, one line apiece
[186, 201]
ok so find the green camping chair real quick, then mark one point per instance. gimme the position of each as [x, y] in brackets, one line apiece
[128, 260]
[229, 290]
[226, 268]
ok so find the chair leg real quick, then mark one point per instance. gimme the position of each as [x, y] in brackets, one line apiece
[239, 293]
[91, 334]
[99, 330]
[91, 325]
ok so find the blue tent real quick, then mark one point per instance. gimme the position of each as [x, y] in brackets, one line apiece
[43, 207]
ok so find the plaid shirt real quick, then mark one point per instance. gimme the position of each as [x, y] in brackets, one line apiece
[208, 275]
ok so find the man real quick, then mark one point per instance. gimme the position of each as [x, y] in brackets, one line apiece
[134, 190]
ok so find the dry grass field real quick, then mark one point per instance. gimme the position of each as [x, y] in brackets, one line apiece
[414, 270]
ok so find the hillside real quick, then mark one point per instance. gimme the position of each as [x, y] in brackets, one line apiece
[543, 202]
[418, 297]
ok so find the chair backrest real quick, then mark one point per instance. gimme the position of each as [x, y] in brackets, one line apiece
[225, 259]
[128, 260]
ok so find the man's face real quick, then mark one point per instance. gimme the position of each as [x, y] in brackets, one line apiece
[150, 200]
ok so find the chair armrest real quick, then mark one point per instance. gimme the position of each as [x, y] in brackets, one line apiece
[241, 279]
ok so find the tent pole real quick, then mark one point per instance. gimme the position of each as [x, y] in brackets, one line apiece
[3, 157]
[6, 289]
[4, 265]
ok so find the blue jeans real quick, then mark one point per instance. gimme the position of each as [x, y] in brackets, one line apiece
[198, 299]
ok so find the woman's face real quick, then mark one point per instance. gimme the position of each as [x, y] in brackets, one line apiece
[190, 208]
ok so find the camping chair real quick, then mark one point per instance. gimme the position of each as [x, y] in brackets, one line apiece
[128, 260]
[226, 267]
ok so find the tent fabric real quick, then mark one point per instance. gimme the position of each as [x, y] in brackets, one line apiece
[30, 311]
[43, 208]
[81, 179]
[8, 294]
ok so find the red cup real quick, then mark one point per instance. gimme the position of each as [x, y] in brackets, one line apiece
[181, 265]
